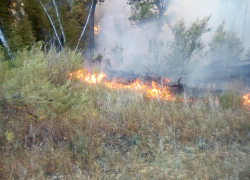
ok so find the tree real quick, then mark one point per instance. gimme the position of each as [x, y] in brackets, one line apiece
[5, 43]
[27, 21]
[92, 24]
[238, 8]
[52, 24]
[225, 45]
[6, 20]
[187, 41]
[85, 26]
[16, 25]
[144, 11]
[59, 20]
[38, 20]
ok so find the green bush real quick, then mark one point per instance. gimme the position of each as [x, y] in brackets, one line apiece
[186, 42]
[42, 80]
[225, 46]
[231, 100]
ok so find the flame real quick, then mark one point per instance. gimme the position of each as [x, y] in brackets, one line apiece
[96, 29]
[246, 98]
[84, 75]
[152, 91]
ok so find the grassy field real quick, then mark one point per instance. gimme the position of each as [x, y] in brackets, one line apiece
[55, 128]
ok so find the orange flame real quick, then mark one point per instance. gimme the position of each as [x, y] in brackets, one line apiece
[246, 97]
[96, 29]
[84, 75]
[154, 91]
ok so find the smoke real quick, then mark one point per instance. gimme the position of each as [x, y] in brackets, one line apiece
[117, 30]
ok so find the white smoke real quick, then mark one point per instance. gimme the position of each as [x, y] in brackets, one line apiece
[115, 27]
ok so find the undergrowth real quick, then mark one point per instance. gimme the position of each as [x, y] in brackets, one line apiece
[52, 127]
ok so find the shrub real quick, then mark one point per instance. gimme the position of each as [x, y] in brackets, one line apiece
[187, 41]
[231, 100]
[42, 82]
[225, 46]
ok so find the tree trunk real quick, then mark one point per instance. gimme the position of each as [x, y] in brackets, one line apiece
[92, 25]
[59, 20]
[52, 24]
[85, 26]
[5, 43]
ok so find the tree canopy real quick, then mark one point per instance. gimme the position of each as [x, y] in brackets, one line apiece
[24, 22]
[144, 11]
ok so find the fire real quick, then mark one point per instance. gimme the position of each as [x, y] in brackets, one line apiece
[152, 91]
[96, 29]
[157, 92]
[84, 75]
[246, 97]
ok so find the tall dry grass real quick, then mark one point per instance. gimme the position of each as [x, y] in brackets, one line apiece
[53, 128]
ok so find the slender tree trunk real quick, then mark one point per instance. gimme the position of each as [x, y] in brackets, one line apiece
[90, 10]
[59, 20]
[92, 25]
[5, 43]
[52, 24]
[244, 24]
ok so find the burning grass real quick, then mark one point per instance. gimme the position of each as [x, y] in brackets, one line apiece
[51, 127]
[246, 98]
[152, 91]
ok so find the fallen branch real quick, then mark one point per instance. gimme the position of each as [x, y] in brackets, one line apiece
[178, 82]
[153, 75]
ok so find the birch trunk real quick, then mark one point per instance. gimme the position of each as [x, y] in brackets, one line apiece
[90, 10]
[59, 20]
[5, 43]
[52, 24]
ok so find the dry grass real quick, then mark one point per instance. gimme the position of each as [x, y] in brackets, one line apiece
[63, 129]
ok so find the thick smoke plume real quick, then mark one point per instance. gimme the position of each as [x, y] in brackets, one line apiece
[117, 31]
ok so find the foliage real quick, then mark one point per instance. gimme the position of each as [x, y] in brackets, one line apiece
[74, 21]
[38, 20]
[24, 22]
[41, 79]
[9, 136]
[98, 58]
[231, 100]
[225, 45]
[144, 11]
[187, 41]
